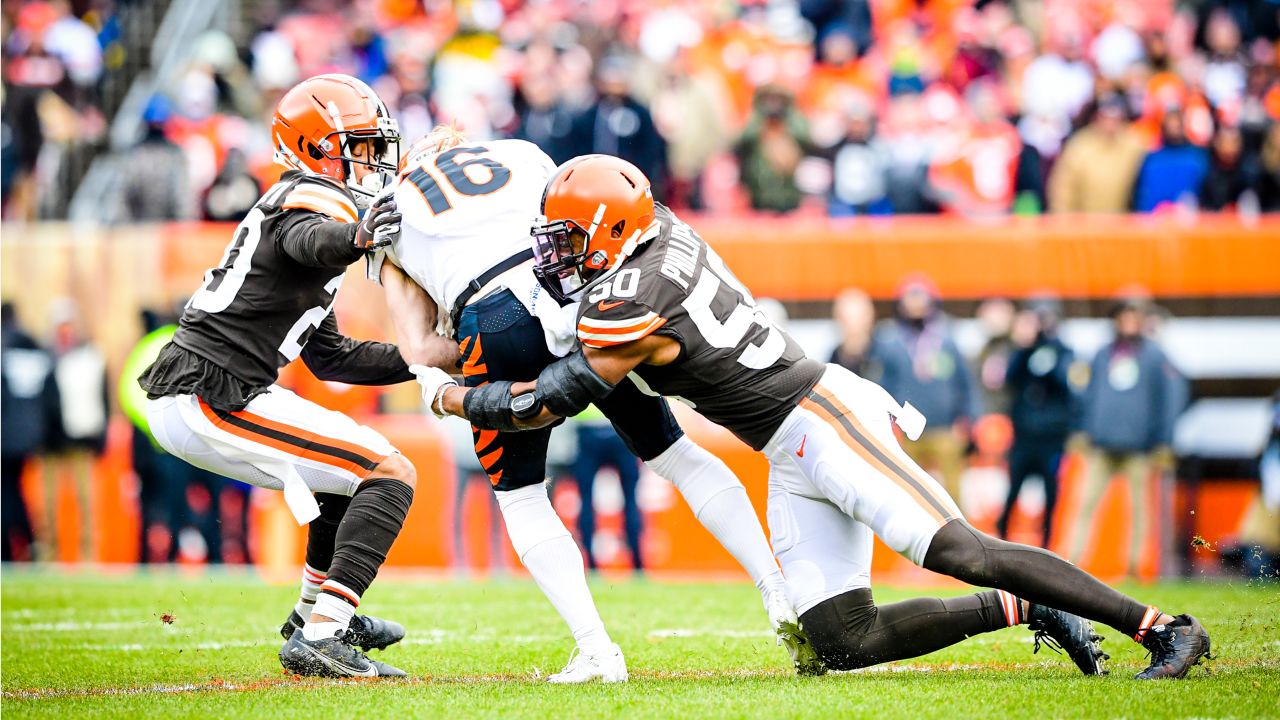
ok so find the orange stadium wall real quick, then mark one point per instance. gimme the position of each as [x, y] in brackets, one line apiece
[113, 273]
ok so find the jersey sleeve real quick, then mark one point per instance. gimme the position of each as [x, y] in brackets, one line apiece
[610, 322]
[321, 197]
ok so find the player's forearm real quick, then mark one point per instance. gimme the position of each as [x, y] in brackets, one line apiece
[358, 363]
[315, 241]
[453, 402]
[414, 314]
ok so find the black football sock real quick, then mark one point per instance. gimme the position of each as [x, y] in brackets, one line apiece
[368, 528]
[850, 631]
[1036, 575]
[323, 531]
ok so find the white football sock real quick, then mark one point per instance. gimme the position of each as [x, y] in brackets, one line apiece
[320, 630]
[335, 605]
[548, 551]
[312, 579]
[721, 504]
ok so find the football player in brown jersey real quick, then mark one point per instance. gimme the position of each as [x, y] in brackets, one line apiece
[462, 266]
[212, 395]
[657, 304]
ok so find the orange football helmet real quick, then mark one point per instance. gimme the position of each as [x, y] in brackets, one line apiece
[596, 210]
[318, 121]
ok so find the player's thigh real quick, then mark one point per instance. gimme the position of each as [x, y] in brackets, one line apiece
[822, 550]
[644, 422]
[512, 460]
[500, 340]
[277, 438]
[853, 459]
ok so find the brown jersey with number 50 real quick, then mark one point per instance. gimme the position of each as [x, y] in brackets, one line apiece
[735, 367]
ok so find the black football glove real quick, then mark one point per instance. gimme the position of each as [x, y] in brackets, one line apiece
[380, 225]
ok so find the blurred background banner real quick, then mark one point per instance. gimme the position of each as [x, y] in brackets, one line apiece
[1050, 225]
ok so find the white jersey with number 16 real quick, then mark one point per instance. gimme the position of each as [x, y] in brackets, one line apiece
[466, 210]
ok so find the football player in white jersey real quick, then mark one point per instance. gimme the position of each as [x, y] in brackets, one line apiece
[462, 269]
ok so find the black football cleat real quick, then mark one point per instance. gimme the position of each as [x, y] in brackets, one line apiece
[334, 657]
[365, 632]
[1060, 631]
[1175, 648]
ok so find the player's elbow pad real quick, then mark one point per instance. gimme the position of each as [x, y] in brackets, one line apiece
[567, 386]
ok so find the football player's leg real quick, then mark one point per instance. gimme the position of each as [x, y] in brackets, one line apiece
[321, 535]
[912, 514]
[281, 439]
[826, 556]
[713, 492]
[501, 341]
[542, 542]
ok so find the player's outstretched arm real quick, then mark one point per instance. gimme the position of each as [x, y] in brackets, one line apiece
[414, 315]
[332, 356]
[565, 388]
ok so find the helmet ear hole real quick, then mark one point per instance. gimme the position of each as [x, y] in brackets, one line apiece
[314, 152]
[617, 229]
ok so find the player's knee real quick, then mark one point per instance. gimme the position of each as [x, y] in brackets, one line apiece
[397, 467]
[837, 628]
[961, 551]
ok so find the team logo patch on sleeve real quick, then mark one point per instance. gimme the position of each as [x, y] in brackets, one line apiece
[321, 198]
[607, 333]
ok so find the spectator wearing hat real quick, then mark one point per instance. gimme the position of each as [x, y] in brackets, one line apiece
[922, 365]
[1044, 407]
[1128, 411]
[1098, 165]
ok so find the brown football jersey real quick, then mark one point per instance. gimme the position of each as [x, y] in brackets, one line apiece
[735, 367]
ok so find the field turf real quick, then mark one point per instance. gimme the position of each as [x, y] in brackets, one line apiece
[166, 644]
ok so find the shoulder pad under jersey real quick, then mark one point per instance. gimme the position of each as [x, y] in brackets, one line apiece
[321, 196]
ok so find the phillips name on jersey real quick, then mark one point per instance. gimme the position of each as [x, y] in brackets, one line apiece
[735, 366]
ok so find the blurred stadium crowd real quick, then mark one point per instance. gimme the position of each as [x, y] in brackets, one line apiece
[844, 107]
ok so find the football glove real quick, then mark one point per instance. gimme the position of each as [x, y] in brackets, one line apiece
[434, 382]
[380, 225]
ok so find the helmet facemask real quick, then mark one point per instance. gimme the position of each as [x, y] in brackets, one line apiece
[560, 251]
[382, 157]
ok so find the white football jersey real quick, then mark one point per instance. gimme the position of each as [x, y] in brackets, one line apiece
[466, 210]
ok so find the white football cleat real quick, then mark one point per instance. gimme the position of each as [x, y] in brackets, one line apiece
[582, 668]
[782, 615]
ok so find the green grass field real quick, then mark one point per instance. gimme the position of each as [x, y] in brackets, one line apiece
[80, 645]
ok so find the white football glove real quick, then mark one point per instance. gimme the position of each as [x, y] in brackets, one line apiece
[434, 382]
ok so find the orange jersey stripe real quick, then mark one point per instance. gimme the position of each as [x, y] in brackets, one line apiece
[597, 339]
[650, 324]
[928, 486]
[886, 467]
[325, 204]
[306, 444]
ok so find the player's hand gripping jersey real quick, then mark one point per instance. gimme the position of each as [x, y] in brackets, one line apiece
[467, 210]
[736, 367]
[270, 300]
